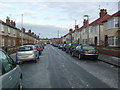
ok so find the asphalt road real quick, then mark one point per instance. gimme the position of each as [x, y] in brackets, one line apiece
[57, 69]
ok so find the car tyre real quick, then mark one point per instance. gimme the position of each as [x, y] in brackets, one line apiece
[20, 86]
[38, 57]
[79, 56]
[72, 54]
[35, 60]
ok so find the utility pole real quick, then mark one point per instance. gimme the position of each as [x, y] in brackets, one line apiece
[75, 39]
[22, 29]
[58, 37]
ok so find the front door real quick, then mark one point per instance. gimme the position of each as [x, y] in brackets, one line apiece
[95, 41]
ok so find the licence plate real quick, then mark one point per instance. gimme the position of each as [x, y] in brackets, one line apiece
[91, 51]
[25, 57]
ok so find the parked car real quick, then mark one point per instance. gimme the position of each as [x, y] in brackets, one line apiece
[60, 45]
[10, 72]
[55, 44]
[39, 48]
[42, 46]
[84, 51]
[70, 47]
[27, 53]
[64, 47]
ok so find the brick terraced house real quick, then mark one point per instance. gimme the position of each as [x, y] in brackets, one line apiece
[10, 36]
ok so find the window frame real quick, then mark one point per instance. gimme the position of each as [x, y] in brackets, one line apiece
[2, 28]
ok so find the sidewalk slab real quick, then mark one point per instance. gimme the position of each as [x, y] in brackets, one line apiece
[110, 59]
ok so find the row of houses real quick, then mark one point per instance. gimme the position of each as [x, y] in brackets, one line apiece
[104, 31]
[12, 37]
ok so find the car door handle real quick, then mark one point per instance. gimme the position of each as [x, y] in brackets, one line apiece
[10, 77]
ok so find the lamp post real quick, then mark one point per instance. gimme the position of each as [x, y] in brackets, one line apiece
[22, 29]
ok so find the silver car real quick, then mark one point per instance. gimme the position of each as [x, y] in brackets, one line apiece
[27, 53]
[10, 72]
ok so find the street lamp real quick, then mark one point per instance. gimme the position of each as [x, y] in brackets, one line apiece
[22, 29]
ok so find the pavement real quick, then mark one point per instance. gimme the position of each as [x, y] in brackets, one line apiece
[110, 59]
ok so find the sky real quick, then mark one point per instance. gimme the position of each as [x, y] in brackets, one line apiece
[46, 18]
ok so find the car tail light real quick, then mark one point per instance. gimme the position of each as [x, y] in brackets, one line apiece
[38, 49]
[97, 51]
[84, 51]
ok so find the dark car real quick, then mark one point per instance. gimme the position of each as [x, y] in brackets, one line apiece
[84, 51]
[70, 47]
[55, 44]
[64, 47]
[60, 46]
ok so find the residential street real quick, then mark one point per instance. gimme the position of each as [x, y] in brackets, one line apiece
[57, 69]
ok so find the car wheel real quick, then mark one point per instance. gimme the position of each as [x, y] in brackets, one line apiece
[20, 86]
[79, 57]
[72, 54]
[35, 60]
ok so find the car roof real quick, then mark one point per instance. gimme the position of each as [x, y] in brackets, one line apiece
[26, 45]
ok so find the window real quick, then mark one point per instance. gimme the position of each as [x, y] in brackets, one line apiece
[8, 42]
[20, 34]
[14, 43]
[2, 27]
[78, 47]
[3, 42]
[13, 31]
[8, 29]
[116, 22]
[113, 41]
[6, 66]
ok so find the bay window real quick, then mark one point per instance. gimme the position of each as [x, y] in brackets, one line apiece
[113, 41]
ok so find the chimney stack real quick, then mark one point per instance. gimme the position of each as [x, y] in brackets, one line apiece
[86, 20]
[70, 31]
[33, 33]
[23, 30]
[8, 20]
[76, 27]
[11, 23]
[29, 31]
[102, 13]
[14, 24]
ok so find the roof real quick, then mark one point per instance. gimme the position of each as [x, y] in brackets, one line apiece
[97, 21]
[100, 20]
[115, 14]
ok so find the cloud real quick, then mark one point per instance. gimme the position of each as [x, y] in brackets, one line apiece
[61, 1]
[49, 31]
[3, 5]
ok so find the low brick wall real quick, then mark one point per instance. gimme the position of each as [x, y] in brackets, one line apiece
[109, 52]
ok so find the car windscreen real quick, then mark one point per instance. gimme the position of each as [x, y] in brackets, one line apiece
[36, 46]
[88, 47]
[74, 45]
[25, 48]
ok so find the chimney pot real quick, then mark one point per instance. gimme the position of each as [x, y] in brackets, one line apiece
[102, 13]
[23, 30]
[70, 31]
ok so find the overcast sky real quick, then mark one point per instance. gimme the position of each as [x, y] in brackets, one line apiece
[47, 17]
